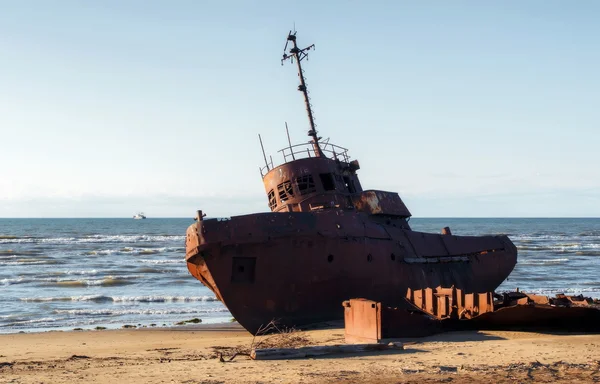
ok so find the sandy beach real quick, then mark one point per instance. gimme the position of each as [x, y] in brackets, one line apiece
[192, 354]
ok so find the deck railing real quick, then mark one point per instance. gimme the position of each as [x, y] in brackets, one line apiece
[306, 150]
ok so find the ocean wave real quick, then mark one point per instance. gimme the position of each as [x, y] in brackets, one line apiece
[130, 238]
[592, 283]
[30, 262]
[163, 261]
[122, 299]
[13, 252]
[15, 280]
[81, 272]
[561, 247]
[102, 252]
[132, 251]
[93, 298]
[94, 239]
[545, 238]
[145, 311]
[109, 281]
[163, 299]
[573, 291]
[588, 253]
[20, 322]
[543, 262]
[28, 240]
[591, 233]
[155, 270]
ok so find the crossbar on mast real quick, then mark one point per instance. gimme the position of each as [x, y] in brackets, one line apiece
[300, 54]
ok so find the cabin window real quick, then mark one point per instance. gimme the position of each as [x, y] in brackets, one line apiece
[306, 184]
[272, 200]
[285, 191]
[327, 181]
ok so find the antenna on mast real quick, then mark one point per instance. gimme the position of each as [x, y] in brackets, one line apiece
[300, 54]
[263, 152]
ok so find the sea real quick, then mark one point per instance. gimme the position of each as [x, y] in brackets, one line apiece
[70, 274]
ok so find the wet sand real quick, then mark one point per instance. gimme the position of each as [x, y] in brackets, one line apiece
[191, 354]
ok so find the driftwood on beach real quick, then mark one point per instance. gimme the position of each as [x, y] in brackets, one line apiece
[303, 352]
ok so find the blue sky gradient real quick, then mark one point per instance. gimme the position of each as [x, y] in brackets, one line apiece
[466, 108]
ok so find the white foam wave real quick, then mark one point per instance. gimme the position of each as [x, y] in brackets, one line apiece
[83, 272]
[593, 292]
[121, 312]
[102, 281]
[103, 252]
[122, 299]
[132, 251]
[95, 239]
[560, 247]
[28, 262]
[95, 298]
[163, 261]
[16, 280]
[30, 321]
[163, 299]
[543, 261]
[572, 238]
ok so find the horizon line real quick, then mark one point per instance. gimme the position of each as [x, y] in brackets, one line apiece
[222, 217]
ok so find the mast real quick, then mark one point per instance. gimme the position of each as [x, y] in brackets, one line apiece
[300, 54]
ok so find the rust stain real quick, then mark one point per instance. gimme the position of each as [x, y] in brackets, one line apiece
[433, 310]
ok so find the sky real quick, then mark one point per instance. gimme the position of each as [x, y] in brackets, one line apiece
[465, 108]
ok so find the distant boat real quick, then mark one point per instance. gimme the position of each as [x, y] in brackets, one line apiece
[139, 216]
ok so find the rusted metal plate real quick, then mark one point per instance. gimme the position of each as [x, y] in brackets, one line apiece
[377, 202]
[368, 321]
[427, 311]
[306, 263]
[311, 184]
[363, 321]
[450, 302]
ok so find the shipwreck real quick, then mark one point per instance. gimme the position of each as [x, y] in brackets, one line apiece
[425, 312]
[327, 240]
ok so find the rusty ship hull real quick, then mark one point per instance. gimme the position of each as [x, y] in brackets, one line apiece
[297, 268]
[326, 240]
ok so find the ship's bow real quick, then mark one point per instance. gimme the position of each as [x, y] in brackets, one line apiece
[196, 249]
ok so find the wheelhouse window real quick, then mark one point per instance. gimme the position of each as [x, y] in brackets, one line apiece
[285, 191]
[327, 181]
[272, 200]
[306, 184]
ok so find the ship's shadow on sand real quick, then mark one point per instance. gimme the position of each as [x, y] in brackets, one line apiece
[483, 335]
[367, 354]
[450, 337]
